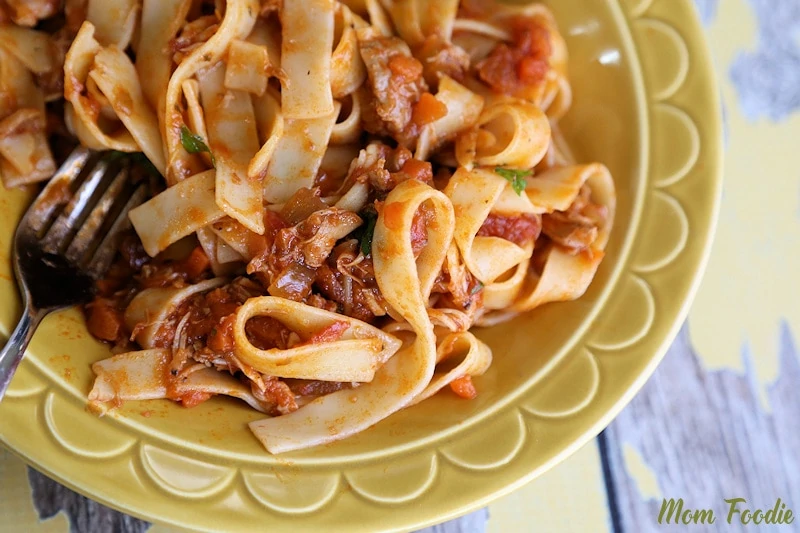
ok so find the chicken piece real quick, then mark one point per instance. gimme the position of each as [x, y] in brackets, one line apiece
[395, 84]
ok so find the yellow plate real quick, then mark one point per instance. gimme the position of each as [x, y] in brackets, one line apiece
[645, 104]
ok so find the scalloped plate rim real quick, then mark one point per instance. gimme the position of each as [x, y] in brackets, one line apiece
[676, 318]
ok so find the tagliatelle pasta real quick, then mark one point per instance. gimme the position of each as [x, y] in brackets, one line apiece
[340, 192]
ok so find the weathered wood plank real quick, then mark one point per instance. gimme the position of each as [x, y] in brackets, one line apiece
[705, 437]
[85, 515]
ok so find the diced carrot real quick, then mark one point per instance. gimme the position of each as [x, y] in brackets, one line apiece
[104, 322]
[221, 337]
[196, 263]
[427, 110]
[406, 67]
[464, 388]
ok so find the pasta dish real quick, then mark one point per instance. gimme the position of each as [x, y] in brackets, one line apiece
[339, 192]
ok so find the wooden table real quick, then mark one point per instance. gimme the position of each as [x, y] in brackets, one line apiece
[720, 418]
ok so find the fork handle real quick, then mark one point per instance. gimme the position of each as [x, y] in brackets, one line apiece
[12, 352]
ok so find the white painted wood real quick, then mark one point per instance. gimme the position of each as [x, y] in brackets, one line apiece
[705, 437]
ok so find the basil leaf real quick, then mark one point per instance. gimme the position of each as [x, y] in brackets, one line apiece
[195, 144]
[140, 159]
[369, 230]
[516, 177]
[114, 155]
[137, 158]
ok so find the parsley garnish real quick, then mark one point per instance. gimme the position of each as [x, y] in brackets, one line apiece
[114, 155]
[137, 158]
[370, 218]
[476, 289]
[516, 177]
[195, 144]
[140, 159]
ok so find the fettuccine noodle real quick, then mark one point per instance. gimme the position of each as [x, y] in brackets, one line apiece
[340, 191]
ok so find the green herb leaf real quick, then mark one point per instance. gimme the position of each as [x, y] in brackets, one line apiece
[140, 159]
[476, 289]
[195, 144]
[137, 158]
[370, 219]
[114, 155]
[516, 177]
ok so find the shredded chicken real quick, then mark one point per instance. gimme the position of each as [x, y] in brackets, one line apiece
[395, 85]
[278, 394]
[383, 168]
[577, 227]
[440, 57]
[193, 35]
[321, 231]
[519, 229]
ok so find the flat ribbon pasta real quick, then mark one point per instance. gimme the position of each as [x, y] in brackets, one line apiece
[306, 55]
[115, 21]
[349, 129]
[161, 20]
[509, 132]
[348, 71]
[247, 67]
[246, 243]
[406, 284]
[297, 156]
[141, 375]
[176, 212]
[114, 75]
[416, 19]
[135, 375]
[238, 22]
[353, 357]
[151, 308]
[474, 195]
[476, 357]
[25, 155]
[463, 111]
[31, 47]
[566, 276]
[503, 291]
[270, 125]
[233, 138]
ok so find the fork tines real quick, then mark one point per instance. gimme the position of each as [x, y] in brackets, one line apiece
[82, 210]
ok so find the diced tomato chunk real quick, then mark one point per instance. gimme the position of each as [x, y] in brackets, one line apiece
[464, 388]
[329, 333]
[194, 398]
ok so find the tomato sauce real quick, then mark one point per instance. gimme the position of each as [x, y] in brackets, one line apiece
[519, 229]
[524, 63]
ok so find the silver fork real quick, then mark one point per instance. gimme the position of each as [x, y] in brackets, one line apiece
[66, 240]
